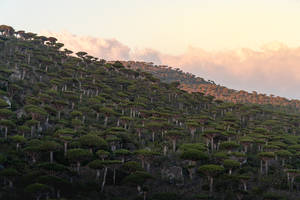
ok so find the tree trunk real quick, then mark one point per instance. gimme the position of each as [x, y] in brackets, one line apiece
[5, 133]
[165, 150]
[114, 176]
[104, 179]
[58, 115]
[174, 145]
[33, 159]
[78, 167]
[148, 167]
[211, 182]
[139, 134]
[292, 183]
[105, 121]
[51, 156]
[245, 186]
[143, 163]
[10, 183]
[138, 187]
[83, 119]
[65, 148]
[193, 133]
[191, 173]
[58, 194]
[97, 174]
[32, 131]
[24, 74]
[153, 136]
[17, 146]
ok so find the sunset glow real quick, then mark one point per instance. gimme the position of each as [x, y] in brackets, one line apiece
[236, 43]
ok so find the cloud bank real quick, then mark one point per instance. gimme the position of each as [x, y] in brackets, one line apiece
[273, 69]
[110, 49]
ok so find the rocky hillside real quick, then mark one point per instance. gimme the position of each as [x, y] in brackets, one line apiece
[80, 128]
[191, 83]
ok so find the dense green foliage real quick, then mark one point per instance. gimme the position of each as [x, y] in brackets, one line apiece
[82, 128]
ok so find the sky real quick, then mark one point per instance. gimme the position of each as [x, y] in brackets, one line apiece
[249, 44]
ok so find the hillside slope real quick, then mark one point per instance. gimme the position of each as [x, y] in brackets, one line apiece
[80, 128]
[191, 83]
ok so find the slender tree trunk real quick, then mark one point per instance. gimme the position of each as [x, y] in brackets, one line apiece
[105, 121]
[193, 133]
[65, 148]
[174, 145]
[153, 136]
[28, 59]
[191, 173]
[138, 187]
[292, 183]
[104, 179]
[58, 194]
[51, 156]
[165, 150]
[33, 159]
[211, 182]
[245, 186]
[97, 174]
[10, 183]
[148, 167]
[143, 163]
[114, 176]
[139, 134]
[78, 167]
[5, 133]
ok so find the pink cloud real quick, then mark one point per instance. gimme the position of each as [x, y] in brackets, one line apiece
[273, 69]
[110, 49]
